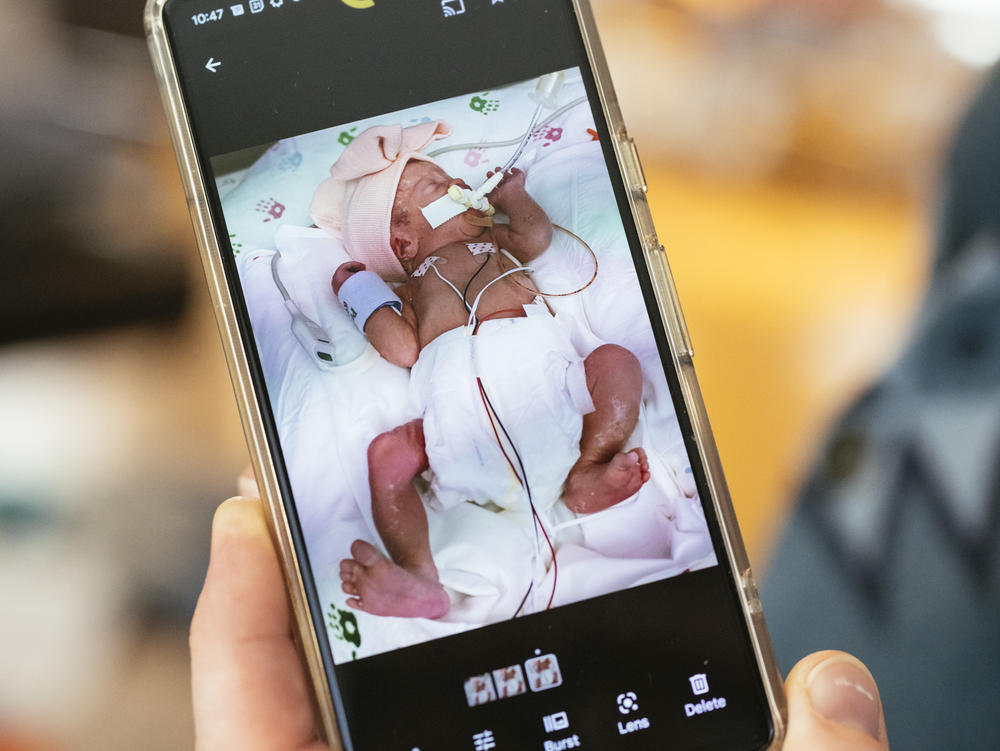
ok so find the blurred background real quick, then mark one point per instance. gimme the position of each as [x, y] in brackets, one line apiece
[823, 174]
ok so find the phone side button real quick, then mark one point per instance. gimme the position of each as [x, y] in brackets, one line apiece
[750, 594]
[683, 345]
[636, 174]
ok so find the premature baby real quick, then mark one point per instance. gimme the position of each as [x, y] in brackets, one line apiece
[565, 418]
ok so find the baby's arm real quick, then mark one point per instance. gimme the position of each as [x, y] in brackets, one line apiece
[394, 335]
[530, 231]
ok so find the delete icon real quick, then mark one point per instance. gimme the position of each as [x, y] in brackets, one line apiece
[699, 684]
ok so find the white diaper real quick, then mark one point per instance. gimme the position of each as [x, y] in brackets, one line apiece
[535, 381]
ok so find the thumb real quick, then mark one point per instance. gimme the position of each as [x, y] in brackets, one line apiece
[833, 705]
[246, 484]
[249, 687]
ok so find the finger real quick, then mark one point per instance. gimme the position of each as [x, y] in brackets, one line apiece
[833, 704]
[246, 483]
[249, 687]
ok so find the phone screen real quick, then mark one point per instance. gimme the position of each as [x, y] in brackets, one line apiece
[487, 467]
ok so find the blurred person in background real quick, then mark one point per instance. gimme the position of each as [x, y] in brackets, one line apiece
[893, 551]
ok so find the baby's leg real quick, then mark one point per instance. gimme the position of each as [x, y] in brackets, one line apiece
[407, 585]
[604, 475]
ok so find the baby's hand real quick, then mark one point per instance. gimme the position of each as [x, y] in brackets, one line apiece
[511, 188]
[343, 273]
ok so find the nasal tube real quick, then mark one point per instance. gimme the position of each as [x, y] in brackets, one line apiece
[476, 199]
[458, 200]
[545, 95]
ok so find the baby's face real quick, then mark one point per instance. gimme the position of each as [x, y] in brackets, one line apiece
[421, 184]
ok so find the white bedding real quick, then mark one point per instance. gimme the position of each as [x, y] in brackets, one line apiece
[326, 419]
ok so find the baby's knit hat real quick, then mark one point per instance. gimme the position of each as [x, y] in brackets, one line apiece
[355, 202]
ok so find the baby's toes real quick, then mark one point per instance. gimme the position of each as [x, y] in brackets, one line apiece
[350, 588]
[365, 553]
[351, 570]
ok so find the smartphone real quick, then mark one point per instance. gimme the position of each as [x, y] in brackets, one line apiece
[465, 381]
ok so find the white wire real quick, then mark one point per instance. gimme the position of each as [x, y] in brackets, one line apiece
[475, 304]
[434, 269]
[277, 279]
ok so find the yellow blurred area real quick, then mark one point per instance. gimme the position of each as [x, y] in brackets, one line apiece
[796, 299]
[719, 8]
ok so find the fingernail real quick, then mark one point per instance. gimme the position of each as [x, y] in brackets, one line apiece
[842, 691]
[246, 484]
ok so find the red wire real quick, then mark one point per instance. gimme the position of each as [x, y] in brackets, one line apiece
[555, 563]
[494, 314]
[534, 513]
[482, 396]
[510, 463]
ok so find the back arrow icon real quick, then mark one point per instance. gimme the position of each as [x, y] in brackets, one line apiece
[213, 64]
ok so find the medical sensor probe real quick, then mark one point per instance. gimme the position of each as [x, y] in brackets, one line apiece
[314, 340]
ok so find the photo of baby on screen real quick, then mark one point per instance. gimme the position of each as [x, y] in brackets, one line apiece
[471, 405]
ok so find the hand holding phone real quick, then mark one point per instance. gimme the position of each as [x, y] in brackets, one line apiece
[252, 693]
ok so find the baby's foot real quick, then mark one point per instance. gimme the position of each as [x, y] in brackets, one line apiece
[381, 587]
[595, 487]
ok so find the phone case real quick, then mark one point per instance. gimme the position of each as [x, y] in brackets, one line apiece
[667, 302]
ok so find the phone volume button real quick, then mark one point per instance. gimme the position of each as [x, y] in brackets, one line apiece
[750, 594]
[636, 174]
[680, 334]
[635, 181]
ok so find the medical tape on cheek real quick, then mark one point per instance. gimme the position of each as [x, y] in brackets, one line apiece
[458, 200]
[440, 211]
[364, 293]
